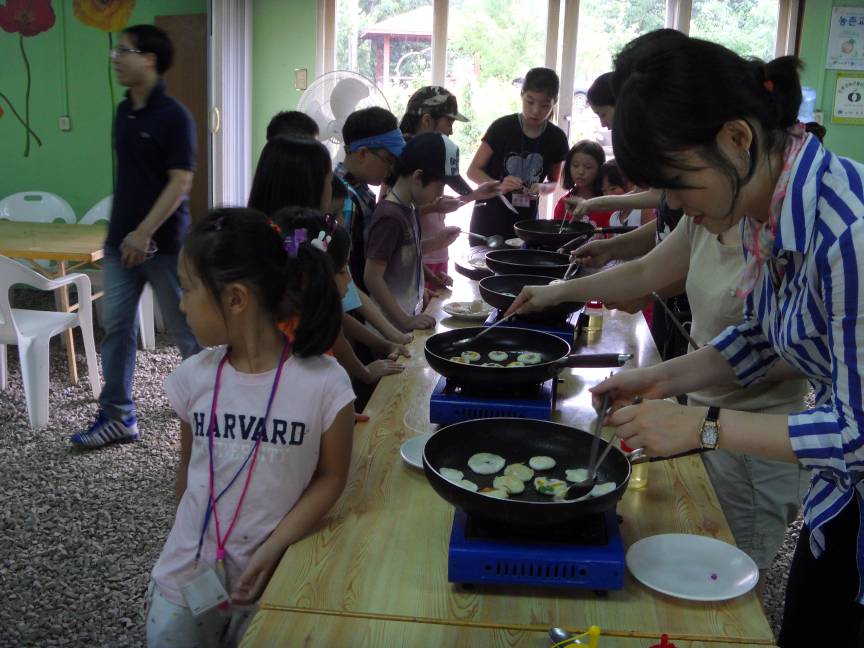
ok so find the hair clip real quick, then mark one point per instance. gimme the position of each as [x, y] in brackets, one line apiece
[769, 85]
[322, 241]
[275, 227]
[292, 243]
[331, 221]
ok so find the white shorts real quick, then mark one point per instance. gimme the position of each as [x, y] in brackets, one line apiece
[173, 625]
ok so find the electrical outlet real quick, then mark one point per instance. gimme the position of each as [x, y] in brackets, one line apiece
[301, 78]
[65, 123]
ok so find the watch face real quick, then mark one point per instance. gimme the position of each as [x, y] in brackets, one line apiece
[709, 435]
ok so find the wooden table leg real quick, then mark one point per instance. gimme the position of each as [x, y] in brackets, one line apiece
[67, 334]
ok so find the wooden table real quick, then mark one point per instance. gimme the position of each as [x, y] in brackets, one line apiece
[375, 572]
[60, 242]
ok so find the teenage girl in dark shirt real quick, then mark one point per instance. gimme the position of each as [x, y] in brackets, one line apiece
[524, 151]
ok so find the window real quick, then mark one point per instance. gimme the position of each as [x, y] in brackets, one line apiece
[487, 59]
[748, 27]
[388, 42]
[605, 26]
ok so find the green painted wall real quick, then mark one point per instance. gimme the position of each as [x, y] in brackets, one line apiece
[75, 164]
[284, 35]
[843, 139]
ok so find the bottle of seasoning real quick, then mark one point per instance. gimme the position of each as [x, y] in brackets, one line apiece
[639, 472]
[594, 311]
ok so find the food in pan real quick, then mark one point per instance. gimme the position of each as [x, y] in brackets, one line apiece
[464, 483]
[541, 463]
[509, 483]
[491, 364]
[515, 364]
[458, 359]
[602, 489]
[519, 471]
[529, 358]
[498, 356]
[452, 474]
[495, 492]
[576, 475]
[485, 463]
[550, 487]
[470, 356]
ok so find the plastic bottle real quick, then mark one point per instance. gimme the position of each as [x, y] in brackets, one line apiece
[594, 311]
[664, 642]
[639, 472]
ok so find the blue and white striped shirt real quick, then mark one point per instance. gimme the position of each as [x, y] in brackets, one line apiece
[809, 318]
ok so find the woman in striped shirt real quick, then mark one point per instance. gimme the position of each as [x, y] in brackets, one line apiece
[719, 133]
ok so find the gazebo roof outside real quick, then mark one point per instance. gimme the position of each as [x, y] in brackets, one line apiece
[416, 24]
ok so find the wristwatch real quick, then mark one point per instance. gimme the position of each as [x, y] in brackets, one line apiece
[709, 435]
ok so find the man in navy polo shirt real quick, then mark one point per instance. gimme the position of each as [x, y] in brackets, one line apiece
[154, 137]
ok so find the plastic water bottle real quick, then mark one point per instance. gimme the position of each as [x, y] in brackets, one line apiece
[594, 311]
[808, 105]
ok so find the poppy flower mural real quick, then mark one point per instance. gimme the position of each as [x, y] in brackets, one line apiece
[27, 18]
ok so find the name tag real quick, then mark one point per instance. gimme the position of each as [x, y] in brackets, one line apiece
[204, 591]
[521, 200]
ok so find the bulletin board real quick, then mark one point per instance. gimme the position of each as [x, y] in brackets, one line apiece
[846, 39]
[849, 98]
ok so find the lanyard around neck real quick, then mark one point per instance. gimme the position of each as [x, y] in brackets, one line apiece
[253, 455]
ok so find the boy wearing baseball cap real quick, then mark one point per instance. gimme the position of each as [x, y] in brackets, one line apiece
[394, 269]
[372, 144]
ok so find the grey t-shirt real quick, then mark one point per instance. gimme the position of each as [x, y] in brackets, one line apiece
[394, 237]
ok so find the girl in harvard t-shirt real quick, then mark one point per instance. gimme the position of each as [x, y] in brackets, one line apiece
[266, 422]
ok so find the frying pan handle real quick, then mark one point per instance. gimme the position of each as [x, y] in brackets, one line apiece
[616, 229]
[574, 243]
[593, 360]
[639, 455]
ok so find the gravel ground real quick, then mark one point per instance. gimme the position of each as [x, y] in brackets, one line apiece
[81, 531]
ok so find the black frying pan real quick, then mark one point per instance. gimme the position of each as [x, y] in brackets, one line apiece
[548, 232]
[497, 291]
[441, 347]
[517, 440]
[533, 262]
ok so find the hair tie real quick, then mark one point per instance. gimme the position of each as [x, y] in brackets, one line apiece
[292, 243]
[275, 227]
[322, 241]
[769, 85]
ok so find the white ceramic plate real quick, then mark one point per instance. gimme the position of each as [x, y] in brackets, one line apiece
[692, 567]
[477, 259]
[412, 450]
[475, 311]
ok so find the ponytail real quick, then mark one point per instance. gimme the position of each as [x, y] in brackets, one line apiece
[313, 295]
[319, 303]
[783, 89]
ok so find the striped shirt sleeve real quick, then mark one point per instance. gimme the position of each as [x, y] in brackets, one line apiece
[746, 349]
[828, 439]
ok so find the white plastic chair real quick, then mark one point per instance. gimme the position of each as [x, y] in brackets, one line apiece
[32, 331]
[36, 207]
[98, 213]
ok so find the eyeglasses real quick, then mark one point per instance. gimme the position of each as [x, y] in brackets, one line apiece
[117, 51]
[389, 161]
